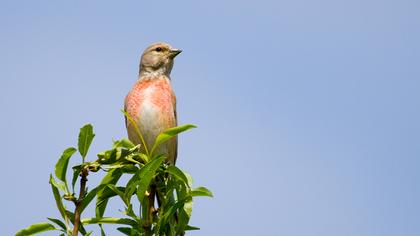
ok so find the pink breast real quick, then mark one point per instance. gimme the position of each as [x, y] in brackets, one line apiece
[153, 91]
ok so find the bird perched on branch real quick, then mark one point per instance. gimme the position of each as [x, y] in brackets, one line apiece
[152, 102]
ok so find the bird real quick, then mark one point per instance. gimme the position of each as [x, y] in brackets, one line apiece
[151, 102]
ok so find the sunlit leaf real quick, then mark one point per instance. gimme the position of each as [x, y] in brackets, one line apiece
[182, 191]
[184, 217]
[36, 228]
[102, 230]
[188, 208]
[129, 231]
[63, 162]
[129, 168]
[171, 211]
[177, 173]
[76, 172]
[89, 197]
[131, 158]
[189, 227]
[185, 212]
[58, 222]
[126, 143]
[126, 168]
[131, 185]
[137, 129]
[189, 177]
[112, 156]
[146, 175]
[144, 157]
[125, 230]
[169, 133]
[107, 193]
[118, 192]
[201, 191]
[129, 211]
[85, 139]
[57, 197]
[108, 156]
[109, 220]
[111, 177]
[60, 185]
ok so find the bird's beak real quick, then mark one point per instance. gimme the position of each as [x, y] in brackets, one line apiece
[174, 52]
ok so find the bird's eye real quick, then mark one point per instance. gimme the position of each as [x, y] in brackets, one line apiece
[158, 49]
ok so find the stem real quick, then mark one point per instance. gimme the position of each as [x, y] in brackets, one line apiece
[77, 211]
[150, 210]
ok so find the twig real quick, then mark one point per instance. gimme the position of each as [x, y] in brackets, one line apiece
[151, 210]
[77, 211]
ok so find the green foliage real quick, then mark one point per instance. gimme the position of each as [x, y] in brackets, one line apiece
[61, 166]
[86, 136]
[163, 191]
[169, 133]
[36, 228]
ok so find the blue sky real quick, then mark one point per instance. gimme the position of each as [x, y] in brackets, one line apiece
[308, 111]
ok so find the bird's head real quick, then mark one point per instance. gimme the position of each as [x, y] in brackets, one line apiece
[158, 59]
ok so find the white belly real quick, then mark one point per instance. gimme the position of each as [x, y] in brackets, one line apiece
[150, 123]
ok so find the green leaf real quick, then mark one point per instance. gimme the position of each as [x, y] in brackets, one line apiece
[63, 162]
[107, 193]
[146, 175]
[201, 191]
[139, 176]
[185, 212]
[188, 208]
[76, 173]
[184, 215]
[169, 133]
[171, 211]
[108, 156]
[60, 185]
[112, 156]
[57, 197]
[182, 190]
[109, 220]
[129, 211]
[189, 227]
[131, 158]
[177, 173]
[89, 197]
[125, 230]
[144, 157]
[111, 177]
[189, 177]
[102, 230]
[85, 139]
[36, 228]
[58, 222]
[119, 193]
[129, 231]
[132, 183]
[125, 143]
[128, 168]
[137, 129]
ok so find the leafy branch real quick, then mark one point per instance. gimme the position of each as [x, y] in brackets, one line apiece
[150, 178]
